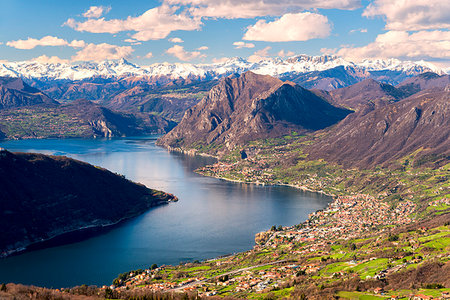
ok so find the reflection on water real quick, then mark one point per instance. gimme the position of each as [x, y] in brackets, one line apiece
[212, 218]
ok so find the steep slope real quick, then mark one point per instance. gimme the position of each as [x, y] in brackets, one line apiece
[16, 93]
[422, 82]
[364, 96]
[169, 101]
[419, 123]
[80, 118]
[327, 80]
[45, 196]
[249, 107]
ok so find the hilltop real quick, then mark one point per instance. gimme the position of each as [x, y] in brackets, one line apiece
[14, 92]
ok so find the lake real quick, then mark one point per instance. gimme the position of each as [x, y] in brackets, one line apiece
[213, 217]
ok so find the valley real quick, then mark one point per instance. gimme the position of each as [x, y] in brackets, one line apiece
[381, 151]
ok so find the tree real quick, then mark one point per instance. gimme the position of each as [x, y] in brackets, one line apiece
[154, 266]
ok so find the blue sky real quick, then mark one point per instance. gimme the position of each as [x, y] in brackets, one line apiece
[204, 31]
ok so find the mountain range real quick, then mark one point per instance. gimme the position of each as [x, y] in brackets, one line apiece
[418, 125]
[26, 112]
[104, 80]
[275, 67]
[375, 124]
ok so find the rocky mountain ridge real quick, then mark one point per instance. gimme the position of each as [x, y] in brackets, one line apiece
[250, 106]
[14, 92]
[418, 126]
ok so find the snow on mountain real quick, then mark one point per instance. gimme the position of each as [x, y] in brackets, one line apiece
[275, 67]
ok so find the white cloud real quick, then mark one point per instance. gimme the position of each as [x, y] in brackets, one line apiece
[283, 53]
[31, 43]
[132, 42]
[259, 55]
[220, 60]
[77, 44]
[148, 55]
[402, 45]
[202, 48]
[156, 23]
[254, 8]
[96, 11]
[411, 14]
[100, 52]
[290, 27]
[176, 40]
[179, 52]
[48, 40]
[50, 60]
[362, 30]
[240, 45]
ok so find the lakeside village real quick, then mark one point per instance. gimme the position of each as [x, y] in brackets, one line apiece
[281, 255]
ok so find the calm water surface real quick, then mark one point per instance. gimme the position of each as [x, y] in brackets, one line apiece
[212, 218]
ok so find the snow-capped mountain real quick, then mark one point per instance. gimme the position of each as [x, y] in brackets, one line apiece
[276, 67]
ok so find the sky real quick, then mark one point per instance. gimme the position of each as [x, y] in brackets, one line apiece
[206, 31]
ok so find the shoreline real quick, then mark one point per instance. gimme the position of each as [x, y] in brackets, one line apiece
[75, 235]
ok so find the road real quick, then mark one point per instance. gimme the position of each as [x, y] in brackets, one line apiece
[228, 273]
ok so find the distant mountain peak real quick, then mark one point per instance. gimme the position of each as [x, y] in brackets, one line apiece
[297, 64]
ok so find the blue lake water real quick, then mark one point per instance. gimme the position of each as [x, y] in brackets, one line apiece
[212, 217]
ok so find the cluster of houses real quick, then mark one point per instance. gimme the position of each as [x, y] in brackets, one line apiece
[345, 218]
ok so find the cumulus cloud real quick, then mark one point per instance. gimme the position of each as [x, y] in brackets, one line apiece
[239, 45]
[290, 27]
[179, 52]
[77, 44]
[96, 11]
[50, 60]
[156, 23]
[202, 48]
[148, 55]
[255, 8]
[402, 45]
[259, 55]
[176, 40]
[100, 52]
[48, 40]
[411, 14]
[283, 53]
